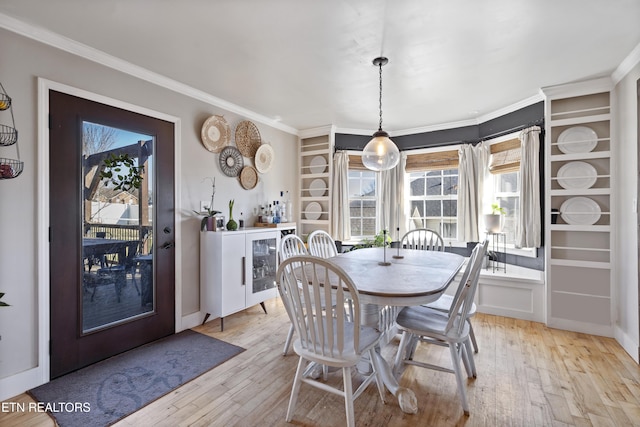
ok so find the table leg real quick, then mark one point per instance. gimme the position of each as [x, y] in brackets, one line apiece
[370, 316]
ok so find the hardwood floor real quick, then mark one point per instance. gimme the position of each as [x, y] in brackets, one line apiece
[528, 375]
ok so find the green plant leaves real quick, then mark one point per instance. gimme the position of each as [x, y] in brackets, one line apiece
[122, 172]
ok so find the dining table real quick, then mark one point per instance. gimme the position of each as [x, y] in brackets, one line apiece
[390, 279]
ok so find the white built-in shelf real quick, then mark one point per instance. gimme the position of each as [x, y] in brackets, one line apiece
[576, 263]
[579, 120]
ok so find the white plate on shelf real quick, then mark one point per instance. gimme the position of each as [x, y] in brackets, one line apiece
[577, 139]
[577, 175]
[580, 211]
[313, 211]
[317, 188]
[318, 164]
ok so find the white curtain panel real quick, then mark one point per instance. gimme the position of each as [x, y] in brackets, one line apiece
[391, 199]
[340, 222]
[472, 170]
[528, 226]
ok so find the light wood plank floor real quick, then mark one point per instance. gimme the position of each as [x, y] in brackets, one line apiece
[528, 375]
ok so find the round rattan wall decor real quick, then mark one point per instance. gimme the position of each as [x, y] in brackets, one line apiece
[248, 177]
[215, 133]
[264, 158]
[231, 161]
[248, 138]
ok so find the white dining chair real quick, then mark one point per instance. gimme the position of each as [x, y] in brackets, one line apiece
[321, 244]
[291, 245]
[444, 304]
[424, 324]
[422, 239]
[325, 334]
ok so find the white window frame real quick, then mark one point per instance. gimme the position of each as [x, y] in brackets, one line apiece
[373, 198]
[490, 198]
[425, 198]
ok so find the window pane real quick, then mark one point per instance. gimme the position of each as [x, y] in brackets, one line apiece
[362, 203]
[434, 195]
[417, 185]
[434, 208]
[434, 186]
[450, 185]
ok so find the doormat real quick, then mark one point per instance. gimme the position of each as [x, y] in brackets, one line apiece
[103, 393]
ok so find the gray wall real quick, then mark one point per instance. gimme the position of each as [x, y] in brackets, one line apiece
[23, 61]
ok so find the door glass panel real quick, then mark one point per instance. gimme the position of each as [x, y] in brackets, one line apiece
[117, 226]
[264, 264]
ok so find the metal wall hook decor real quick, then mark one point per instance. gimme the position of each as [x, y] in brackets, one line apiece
[9, 168]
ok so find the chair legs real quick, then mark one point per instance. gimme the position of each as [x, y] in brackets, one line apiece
[457, 370]
[287, 343]
[348, 396]
[473, 337]
[347, 392]
[297, 381]
[459, 352]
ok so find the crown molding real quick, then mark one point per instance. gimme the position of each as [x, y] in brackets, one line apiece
[603, 84]
[510, 108]
[71, 46]
[626, 65]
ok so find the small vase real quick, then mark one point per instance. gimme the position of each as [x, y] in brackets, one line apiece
[231, 225]
[211, 224]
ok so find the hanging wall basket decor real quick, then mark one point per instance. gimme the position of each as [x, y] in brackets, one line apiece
[8, 135]
[248, 138]
[9, 168]
[231, 161]
[215, 134]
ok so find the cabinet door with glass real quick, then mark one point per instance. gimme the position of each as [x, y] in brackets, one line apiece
[261, 265]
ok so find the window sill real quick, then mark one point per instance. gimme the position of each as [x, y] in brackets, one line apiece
[527, 252]
[513, 273]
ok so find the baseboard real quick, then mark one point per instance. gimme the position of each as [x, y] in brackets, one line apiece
[583, 327]
[20, 382]
[190, 321]
[627, 343]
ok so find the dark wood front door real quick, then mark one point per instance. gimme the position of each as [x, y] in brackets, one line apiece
[112, 255]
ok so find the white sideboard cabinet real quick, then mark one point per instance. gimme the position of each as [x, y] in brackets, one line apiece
[237, 270]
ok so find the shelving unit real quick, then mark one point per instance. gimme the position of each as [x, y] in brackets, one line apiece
[315, 154]
[579, 245]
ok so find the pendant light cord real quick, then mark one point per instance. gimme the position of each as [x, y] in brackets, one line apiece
[380, 98]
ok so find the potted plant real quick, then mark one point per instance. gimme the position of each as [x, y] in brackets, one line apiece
[208, 220]
[232, 225]
[493, 221]
[376, 242]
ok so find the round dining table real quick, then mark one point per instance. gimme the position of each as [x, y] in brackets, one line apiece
[392, 278]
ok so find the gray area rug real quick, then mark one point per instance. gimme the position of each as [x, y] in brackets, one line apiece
[107, 391]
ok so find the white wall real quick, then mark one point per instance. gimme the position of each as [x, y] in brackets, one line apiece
[627, 322]
[23, 61]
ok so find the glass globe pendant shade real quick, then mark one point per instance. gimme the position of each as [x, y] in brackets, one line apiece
[380, 153]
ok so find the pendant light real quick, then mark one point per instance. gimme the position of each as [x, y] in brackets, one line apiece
[380, 153]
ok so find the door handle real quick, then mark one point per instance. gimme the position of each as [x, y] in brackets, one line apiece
[244, 273]
[168, 245]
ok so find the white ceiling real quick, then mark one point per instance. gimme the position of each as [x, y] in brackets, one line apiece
[307, 63]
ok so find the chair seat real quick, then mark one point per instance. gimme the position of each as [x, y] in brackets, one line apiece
[420, 320]
[368, 338]
[444, 304]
